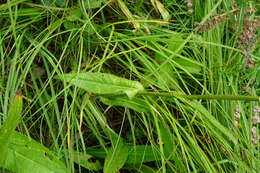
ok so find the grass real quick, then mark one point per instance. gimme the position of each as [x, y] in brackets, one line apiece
[157, 86]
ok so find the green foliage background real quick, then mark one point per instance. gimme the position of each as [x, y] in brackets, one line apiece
[127, 47]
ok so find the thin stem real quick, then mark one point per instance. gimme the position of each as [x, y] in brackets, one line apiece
[203, 97]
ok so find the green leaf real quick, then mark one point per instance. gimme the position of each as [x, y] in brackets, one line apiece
[60, 3]
[167, 140]
[136, 154]
[146, 169]
[143, 153]
[74, 15]
[103, 83]
[84, 161]
[93, 3]
[47, 2]
[142, 168]
[169, 146]
[135, 103]
[189, 65]
[26, 155]
[9, 126]
[167, 78]
[116, 158]
[175, 42]
[70, 25]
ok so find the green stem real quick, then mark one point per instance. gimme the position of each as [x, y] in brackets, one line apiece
[205, 97]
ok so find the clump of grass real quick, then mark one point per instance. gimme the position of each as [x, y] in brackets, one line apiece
[130, 86]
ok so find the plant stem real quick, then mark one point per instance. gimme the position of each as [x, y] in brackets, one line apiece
[205, 97]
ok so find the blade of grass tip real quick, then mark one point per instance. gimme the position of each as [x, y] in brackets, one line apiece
[128, 14]
[160, 7]
[9, 125]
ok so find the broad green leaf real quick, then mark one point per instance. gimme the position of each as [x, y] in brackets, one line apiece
[70, 25]
[116, 158]
[189, 65]
[94, 3]
[117, 155]
[136, 154]
[141, 168]
[135, 103]
[60, 3]
[113, 136]
[142, 154]
[146, 169]
[167, 140]
[175, 42]
[9, 126]
[167, 78]
[169, 146]
[26, 155]
[103, 83]
[84, 161]
[74, 15]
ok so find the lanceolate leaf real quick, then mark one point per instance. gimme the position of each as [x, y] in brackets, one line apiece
[135, 103]
[136, 154]
[141, 168]
[9, 126]
[84, 161]
[26, 155]
[116, 158]
[103, 83]
[94, 3]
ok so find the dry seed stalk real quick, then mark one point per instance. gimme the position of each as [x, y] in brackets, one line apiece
[190, 6]
[255, 117]
[254, 135]
[236, 115]
[247, 38]
[214, 20]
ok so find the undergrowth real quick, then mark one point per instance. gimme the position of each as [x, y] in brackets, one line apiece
[190, 73]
